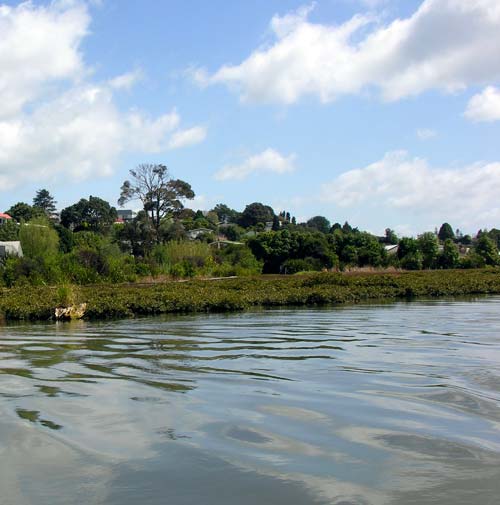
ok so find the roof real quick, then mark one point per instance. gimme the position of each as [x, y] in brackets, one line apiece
[4, 216]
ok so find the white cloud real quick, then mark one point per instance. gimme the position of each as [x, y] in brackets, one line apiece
[484, 106]
[402, 184]
[39, 45]
[446, 45]
[127, 80]
[426, 133]
[54, 122]
[270, 161]
[188, 137]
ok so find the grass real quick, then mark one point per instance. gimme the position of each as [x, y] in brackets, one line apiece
[129, 300]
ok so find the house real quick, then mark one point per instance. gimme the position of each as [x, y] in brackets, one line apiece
[125, 215]
[198, 232]
[4, 218]
[10, 249]
[220, 243]
[391, 249]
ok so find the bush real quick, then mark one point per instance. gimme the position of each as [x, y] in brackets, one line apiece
[301, 265]
[197, 254]
[38, 238]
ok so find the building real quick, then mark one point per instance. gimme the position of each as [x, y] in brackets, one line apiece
[125, 215]
[198, 232]
[391, 249]
[4, 218]
[10, 249]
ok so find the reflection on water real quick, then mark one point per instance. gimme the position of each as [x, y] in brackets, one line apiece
[372, 404]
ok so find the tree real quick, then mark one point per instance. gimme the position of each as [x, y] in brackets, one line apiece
[45, 201]
[409, 254]
[137, 236]
[256, 213]
[319, 223]
[445, 232]
[225, 214]
[38, 239]
[93, 214]
[487, 249]
[9, 231]
[450, 256]
[159, 194]
[390, 236]
[429, 247]
[24, 212]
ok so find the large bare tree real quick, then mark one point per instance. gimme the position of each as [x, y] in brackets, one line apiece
[159, 193]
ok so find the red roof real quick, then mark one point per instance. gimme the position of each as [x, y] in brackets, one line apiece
[4, 216]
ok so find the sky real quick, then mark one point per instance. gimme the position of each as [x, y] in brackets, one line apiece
[384, 113]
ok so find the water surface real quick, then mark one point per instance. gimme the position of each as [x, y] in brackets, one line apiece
[371, 404]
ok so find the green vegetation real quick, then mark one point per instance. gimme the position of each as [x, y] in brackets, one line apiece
[90, 242]
[127, 300]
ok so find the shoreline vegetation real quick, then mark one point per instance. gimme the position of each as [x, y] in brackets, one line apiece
[93, 261]
[126, 300]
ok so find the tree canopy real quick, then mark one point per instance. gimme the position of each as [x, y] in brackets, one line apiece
[159, 194]
[45, 201]
[22, 211]
[319, 223]
[93, 214]
[256, 213]
[446, 232]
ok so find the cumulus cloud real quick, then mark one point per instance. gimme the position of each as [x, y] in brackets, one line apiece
[54, 122]
[400, 184]
[445, 44]
[38, 45]
[270, 161]
[484, 106]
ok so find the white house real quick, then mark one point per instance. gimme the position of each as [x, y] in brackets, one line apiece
[10, 249]
[198, 232]
[4, 218]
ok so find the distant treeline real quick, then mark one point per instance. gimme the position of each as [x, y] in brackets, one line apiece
[88, 242]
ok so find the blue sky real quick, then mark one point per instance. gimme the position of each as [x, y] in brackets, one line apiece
[382, 113]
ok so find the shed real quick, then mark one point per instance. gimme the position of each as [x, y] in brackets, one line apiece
[10, 249]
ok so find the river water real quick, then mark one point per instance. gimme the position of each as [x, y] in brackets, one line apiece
[370, 404]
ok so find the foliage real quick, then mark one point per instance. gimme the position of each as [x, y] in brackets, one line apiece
[24, 212]
[256, 213]
[236, 260]
[93, 214]
[233, 232]
[446, 232]
[159, 194]
[390, 236]
[126, 300]
[38, 239]
[487, 250]
[319, 223]
[450, 257]
[225, 214]
[45, 201]
[9, 231]
[429, 248]
[182, 258]
[274, 248]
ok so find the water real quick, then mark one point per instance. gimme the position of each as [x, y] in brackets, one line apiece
[371, 404]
